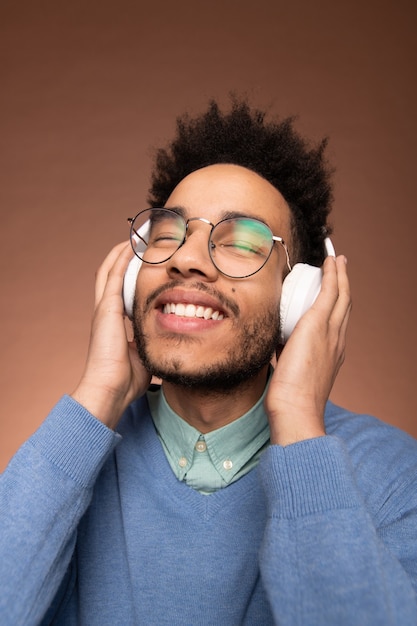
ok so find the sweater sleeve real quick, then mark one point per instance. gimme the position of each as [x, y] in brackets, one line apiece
[323, 561]
[43, 493]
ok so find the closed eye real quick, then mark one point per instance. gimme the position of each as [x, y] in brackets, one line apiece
[242, 247]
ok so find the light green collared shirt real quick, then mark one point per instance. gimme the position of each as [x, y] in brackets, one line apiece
[216, 459]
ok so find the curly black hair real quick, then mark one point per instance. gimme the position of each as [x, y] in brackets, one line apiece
[274, 150]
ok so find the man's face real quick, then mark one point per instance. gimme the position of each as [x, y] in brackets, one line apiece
[238, 331]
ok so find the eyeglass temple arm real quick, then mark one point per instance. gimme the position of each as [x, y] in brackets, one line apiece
[131, 220]
[284, 245]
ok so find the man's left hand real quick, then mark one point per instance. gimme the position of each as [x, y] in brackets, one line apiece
[309, 362]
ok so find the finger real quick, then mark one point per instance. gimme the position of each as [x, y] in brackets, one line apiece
[329, 292]
[109, 277]
[344, 303]
[335, 289]
[339, 320]
[342, 277]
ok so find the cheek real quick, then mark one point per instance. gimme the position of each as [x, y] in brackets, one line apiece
[257, 299]
[253, 315]
[147, 281]
[140, 282]
[142, 292]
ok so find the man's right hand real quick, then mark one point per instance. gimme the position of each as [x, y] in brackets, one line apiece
[114, 375]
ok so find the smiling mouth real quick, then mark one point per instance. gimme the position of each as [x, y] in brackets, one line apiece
[191, 310]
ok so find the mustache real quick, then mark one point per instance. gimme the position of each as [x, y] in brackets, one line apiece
[226, 302]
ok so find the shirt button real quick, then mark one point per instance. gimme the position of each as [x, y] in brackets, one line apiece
[182, 462]
[227, 464]
[201, 446]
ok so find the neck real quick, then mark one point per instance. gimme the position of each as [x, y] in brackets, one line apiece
[207, 410]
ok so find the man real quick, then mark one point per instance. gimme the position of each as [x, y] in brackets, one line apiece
[237, 493]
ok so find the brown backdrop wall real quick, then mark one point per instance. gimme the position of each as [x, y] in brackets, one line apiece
[87, 88]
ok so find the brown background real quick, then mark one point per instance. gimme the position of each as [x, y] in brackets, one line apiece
[87, 88]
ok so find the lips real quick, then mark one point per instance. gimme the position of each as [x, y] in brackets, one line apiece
[183, 309]
[195, 303]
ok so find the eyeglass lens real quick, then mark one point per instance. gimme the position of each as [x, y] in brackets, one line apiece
[238, 246]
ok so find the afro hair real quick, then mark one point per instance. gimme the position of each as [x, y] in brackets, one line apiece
[272, 149]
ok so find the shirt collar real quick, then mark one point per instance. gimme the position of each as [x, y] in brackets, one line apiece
[229, 447]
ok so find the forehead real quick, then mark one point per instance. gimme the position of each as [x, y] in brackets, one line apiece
[214, 191]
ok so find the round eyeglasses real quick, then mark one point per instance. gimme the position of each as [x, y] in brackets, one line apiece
[238, 246]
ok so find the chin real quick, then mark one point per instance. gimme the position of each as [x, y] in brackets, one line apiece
[219, 377]
[220, 363]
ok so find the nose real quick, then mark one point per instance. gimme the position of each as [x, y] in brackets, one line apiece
[192, 259]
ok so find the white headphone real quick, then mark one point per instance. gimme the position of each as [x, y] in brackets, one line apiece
[129, 285]
[299, 291]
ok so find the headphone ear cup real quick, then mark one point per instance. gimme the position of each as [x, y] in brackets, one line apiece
[129, 285]
[139, 239]
[299, 291]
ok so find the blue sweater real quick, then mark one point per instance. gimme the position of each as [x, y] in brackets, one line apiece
[95, 530]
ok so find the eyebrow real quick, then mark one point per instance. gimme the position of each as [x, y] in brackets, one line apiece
[224, 216]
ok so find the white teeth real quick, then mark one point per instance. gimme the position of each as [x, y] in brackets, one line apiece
[190, 310]
[208, 313]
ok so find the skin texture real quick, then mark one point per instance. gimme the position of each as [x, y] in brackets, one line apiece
[306, 368]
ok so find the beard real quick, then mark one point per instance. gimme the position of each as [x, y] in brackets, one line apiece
[256, 342]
